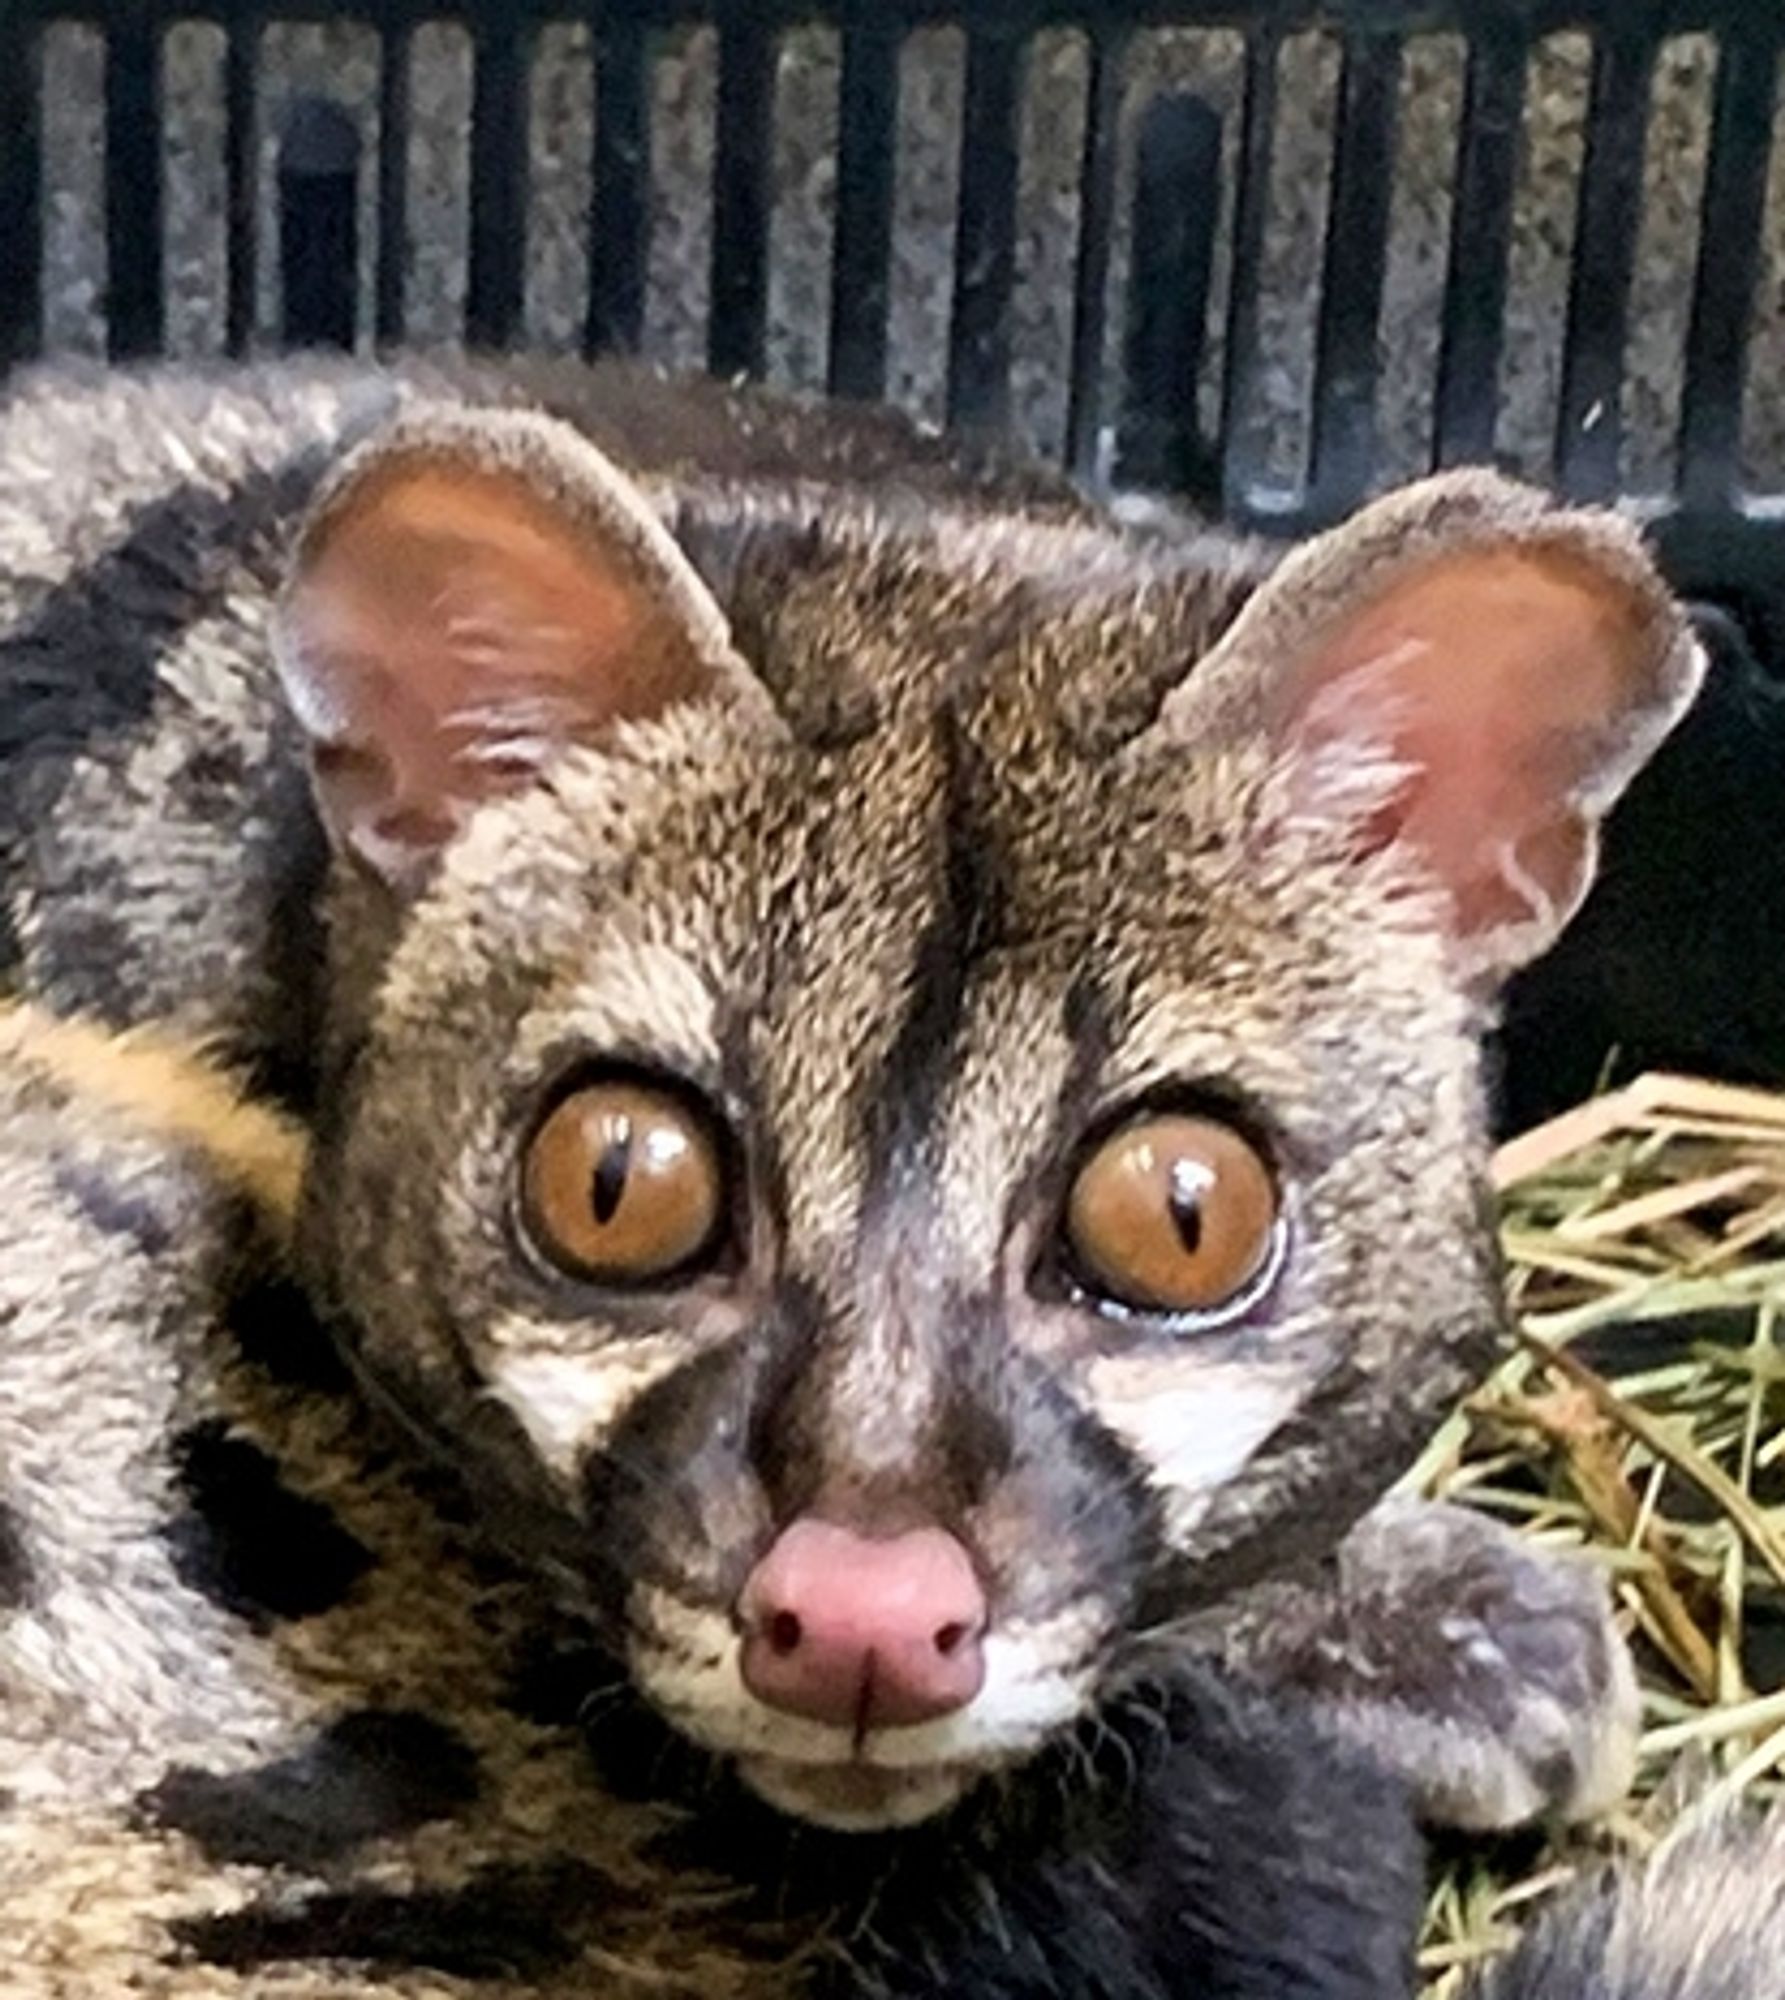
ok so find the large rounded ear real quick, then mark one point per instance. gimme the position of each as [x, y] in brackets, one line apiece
[476, 590]
[1468, 674]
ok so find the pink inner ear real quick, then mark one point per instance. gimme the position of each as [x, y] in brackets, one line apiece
[451, 629]
[1495, 679]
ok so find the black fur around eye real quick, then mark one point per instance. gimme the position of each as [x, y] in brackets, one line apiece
[626, 1182]
[1172, 1214]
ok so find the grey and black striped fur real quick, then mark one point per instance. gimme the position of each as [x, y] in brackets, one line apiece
[952, 822]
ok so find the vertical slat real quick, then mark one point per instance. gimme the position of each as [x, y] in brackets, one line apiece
[21, 189]
[319, 158]
[1244, 432]
[619, 212]
[1177, 198]
[1723, 291]
[241, 57]
[1475, 279]
[495, 290]
[979, 335]
[867, 136]
[743, 159]
[1342, 456]
[1096, 236]
[1589, 424]
[133, 310]
[390, 315]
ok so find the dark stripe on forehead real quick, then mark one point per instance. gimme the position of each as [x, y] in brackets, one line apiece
[900, 1100]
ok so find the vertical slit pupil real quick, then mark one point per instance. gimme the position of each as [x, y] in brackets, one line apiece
[1185, 1202]
[611, 1169]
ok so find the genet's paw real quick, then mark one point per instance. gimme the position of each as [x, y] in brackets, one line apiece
[1484, 1671]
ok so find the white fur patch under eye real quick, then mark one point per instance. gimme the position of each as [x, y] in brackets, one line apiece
[1193, 1428]
[568, 1403]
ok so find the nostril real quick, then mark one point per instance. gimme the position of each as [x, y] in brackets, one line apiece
[784, 1633]
[951, 1638]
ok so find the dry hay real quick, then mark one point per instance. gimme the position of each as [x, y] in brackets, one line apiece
[1638, 1417]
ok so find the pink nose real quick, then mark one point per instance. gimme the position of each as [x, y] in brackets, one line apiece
[860, 1633]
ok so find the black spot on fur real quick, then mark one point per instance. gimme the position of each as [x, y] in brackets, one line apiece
[508, 1923]
[116, 1210]
[276, 1328]
[15, 1564]
[209, 783]
[249, 1543]
[366, 1777]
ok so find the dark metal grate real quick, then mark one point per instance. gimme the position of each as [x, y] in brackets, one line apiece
[1141, 389]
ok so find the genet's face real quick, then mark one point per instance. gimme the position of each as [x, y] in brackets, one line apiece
[899, 1199]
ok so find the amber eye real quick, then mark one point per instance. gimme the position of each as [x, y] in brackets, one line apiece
[1172, 1214]
[623, 1184]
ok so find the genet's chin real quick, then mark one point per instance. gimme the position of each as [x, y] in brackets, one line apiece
[857, 1797]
